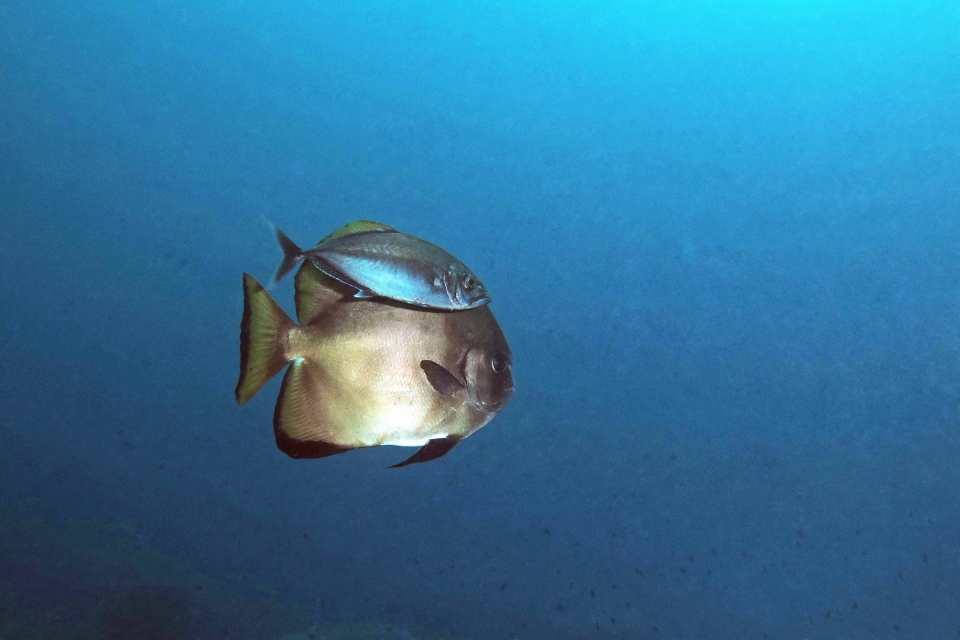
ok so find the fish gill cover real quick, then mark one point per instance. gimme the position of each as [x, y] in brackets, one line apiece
[722, 238]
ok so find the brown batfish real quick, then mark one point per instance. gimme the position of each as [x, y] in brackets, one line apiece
[366, 373]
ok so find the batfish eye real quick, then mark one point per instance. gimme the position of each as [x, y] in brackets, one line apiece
[499, 363]
[469, 282]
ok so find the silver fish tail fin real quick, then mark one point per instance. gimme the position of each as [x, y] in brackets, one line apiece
[262, 331]
[292, 254]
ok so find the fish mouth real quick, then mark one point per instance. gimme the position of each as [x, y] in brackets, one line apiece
[479, 302]
[494, 405]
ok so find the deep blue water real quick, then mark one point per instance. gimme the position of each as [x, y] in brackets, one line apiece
[722, 239]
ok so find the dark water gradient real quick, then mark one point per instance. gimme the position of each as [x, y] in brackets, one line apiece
[722, 238]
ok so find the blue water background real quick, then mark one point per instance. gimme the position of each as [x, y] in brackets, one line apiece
[722, 238]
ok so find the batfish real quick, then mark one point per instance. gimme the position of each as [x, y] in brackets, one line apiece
[377, 260]
[365, 373]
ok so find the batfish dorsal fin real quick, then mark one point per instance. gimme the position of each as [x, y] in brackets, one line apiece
[358, 226]
[300, 422]
[440, 379]
[314, 290]
[430, 451]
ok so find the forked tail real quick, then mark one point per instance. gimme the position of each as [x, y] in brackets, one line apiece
[263, 330]
[292, 254]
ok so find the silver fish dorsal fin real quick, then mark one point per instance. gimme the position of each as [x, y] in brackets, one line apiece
[353, 228]
[314, 291]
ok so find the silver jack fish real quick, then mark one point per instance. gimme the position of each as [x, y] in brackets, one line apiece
[366, 373]
[377, 260]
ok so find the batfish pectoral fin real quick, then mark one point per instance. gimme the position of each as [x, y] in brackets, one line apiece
[440, 379]
[301, 424]
[358, 226]
[431, 451]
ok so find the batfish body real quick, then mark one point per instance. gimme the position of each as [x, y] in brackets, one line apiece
[366, 373]
[379, 261]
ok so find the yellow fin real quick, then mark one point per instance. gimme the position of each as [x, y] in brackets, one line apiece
[314, 291]
[262, 331]
[301, 422]
[358, 226]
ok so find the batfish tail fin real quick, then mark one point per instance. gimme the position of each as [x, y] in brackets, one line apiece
[292, 254]
[301, 422]
[262, 331]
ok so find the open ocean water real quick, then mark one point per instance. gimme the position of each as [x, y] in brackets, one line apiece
[722, 240]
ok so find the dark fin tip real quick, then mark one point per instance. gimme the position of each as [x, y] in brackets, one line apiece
[244, 335]
[430, 451]
[300, 449]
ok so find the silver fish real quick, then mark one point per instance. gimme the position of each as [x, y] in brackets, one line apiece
[379, 261]
[366, 373]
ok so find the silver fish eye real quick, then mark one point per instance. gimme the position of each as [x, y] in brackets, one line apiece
[498, 363]
[469, 282]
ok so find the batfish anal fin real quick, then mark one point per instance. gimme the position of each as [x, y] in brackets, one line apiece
[300, 422]
[353, 228]
[430, 451]
[440, 379]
